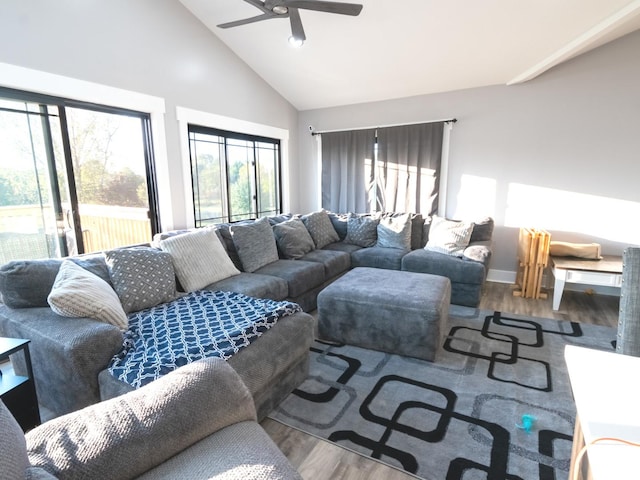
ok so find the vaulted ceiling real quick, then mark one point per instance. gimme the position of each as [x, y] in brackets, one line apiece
[401, 48]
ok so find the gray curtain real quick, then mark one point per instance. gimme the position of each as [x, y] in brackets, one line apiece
[408, 168]
[347, 170]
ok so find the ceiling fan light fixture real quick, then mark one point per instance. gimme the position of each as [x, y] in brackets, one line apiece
[295, 42]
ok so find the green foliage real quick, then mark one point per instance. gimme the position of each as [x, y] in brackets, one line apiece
[240, 192]
[98, 186]
[18, 187]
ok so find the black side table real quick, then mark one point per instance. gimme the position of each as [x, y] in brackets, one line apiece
[17, 392]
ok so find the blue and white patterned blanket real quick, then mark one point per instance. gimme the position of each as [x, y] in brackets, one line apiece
[199, 325]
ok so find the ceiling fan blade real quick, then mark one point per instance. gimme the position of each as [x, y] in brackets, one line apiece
[297, 31]
[245, 21]
[352, 9]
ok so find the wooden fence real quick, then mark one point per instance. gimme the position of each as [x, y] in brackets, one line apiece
[24, 235]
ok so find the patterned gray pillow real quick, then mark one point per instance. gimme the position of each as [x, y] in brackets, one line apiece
[320, 228]
[142, 277]
[293, 239]
[395, 232]
[362, 230]
[255, 244]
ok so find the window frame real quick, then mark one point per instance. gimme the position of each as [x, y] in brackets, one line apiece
[226, 135]
[61, 103]
[188, 116]
[46, 83]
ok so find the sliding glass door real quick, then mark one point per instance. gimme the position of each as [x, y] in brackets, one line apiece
[31, 212]
[108, 164]
[73, 178]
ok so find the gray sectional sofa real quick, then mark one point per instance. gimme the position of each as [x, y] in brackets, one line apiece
[301, 279]
[288, 257]
[70, 354]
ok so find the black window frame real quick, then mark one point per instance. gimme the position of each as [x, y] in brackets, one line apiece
[147, 135]
[226, 135]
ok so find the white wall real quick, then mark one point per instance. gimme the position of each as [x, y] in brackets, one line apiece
[561, 152]
[155, 47]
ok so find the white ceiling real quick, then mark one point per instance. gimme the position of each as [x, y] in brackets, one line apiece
[401, 48]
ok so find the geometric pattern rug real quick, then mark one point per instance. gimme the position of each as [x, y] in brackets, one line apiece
[495, 404]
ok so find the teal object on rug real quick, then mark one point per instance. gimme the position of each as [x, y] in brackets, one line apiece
[462, 416]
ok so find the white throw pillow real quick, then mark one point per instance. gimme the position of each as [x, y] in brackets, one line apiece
[449, 236]
[76, 292]
[199, 258]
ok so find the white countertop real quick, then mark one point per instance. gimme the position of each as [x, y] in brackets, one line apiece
[606, 388]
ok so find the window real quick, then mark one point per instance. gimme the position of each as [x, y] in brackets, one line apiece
[74, 177]
[234, 176]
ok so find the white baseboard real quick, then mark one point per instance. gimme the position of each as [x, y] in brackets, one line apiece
[501, 276]
[507, 276]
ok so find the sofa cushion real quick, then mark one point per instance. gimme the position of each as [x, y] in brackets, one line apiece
[293, 239]
[343, 247]
[394, 232]
[253, 285]
[378, 257]
[482, 230]
[362, 230]
[241, 451]
[417, 221]
[77, 292]
[199, 258]
[255, 244]
[339, 222]
[225, 236]
[448, 236]
[335, 262]
[458, 270]
[283, 217]
[27, 283]
[299, 275]
[142, 277]
[321, 229]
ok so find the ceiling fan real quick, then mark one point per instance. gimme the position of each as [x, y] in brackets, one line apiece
[290, 8]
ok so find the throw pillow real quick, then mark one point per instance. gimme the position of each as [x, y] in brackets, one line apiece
[199, 258]
[482, 230]
[293, 239]
[362, 230]
[320, 228]
[339, 222]
[449, 236]
[255, 244]
[79, 293]
[395, 232]
[142, 277]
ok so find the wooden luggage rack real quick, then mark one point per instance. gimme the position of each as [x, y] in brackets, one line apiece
[533, 257]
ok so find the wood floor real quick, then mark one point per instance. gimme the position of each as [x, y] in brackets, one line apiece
[317, 459]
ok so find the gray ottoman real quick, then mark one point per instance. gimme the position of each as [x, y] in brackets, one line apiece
[389, 310]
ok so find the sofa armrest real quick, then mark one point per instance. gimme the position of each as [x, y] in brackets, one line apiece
[128, 435]
[67, 354]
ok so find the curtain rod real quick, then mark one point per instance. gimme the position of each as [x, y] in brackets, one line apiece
[449, 120]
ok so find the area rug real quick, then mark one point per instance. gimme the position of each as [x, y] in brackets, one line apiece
[495, 405]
